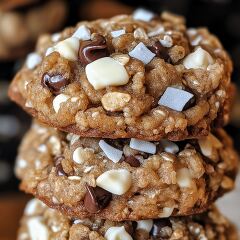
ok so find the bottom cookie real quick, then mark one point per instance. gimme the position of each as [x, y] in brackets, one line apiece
[41, 222]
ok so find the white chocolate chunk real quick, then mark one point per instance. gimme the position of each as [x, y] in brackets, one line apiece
[184, 178]
[82, 33]
[74, 178]
[117, 233]
[116, 181]
[49, 51]
[56, 37]
[145, 225]
[31, 206]
[143, 15]
[68, 48]
[200, 58]
[143, 146]
[166, 41]
[118, 33]
[36, 229]
[33, 59]
[78, 155]
[169, 147]
[142, 53]
[112, 153]
[167, 212]
[175, 98]
[58, 100]
[156, 31]
[106, 72]
[206, 144]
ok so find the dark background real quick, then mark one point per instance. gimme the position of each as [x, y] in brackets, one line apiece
[222, 17]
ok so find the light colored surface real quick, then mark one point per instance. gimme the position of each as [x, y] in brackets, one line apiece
[230, 204]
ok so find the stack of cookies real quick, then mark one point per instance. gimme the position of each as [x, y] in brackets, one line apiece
[127, 142]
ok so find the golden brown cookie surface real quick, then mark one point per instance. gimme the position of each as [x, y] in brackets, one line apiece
[129, 76]
[125, 179]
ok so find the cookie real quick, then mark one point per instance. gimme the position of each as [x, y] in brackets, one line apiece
[41, 221]
[140, 75]
[21, 23]
[125, 179]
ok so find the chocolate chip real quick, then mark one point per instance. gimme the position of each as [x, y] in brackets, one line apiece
[160, 51]
[55, 83]
[58, 165]
[96, 199]
[132, 161]
[92, 50]
[161, 228]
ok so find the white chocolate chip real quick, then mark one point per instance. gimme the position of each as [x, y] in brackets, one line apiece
[58, 100]
[169, 147]
[200, 58]
[82, 33]
[117, 233]
[143, 15]
[36, 229]
[184, 178]
[118, 33]
[140, 33]
[49, 51]
[206, 145]
[33, 59]
[112, 153]
[167, 212]
[42, 148]
[78, 155]
[116, 181]
[106, 72]
[175, 98]
[115, 101]
[31, 206]
[21, 163]
[143, 146]
[166, 41]
[145, 225]
[142, 53]
[55, 145]
[56, 37]
[68, 48]
[156, 31]
[74, 178]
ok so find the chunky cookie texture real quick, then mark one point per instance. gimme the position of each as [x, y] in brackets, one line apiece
[125, 179]
[41, 222]
[21, 23]
[139, 75]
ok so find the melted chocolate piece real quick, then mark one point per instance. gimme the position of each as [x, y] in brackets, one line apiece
[96, 199]
[55, 83]
[160, 51]
[132, 161]
[92, 50]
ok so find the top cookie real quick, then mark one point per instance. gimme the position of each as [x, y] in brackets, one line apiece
[141, 76]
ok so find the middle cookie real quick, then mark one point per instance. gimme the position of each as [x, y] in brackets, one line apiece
[125, 179]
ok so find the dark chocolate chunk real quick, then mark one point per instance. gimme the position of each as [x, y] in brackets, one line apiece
[160, 51]
[92, 50]
[132, 161]
[96, 199]
[55, 83]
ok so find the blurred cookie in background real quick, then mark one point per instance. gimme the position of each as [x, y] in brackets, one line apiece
[94, 9]
[22, 21]
[13, 124]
